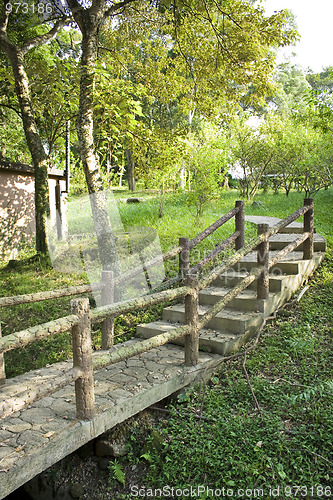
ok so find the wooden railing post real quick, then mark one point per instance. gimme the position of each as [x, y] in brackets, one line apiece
[2, 366]
[191, 318]
[107, 327]
[308, 227]
[82, 359]
[262, 260]
[184, 257]
[240, 225]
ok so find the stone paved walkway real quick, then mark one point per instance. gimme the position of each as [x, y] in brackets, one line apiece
[38, 436]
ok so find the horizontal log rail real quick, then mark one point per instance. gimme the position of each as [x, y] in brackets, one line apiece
[20, 339]
[214, 253]
[122, 353]
[213, 227]
[148, 265]
[79, 322]
[116, 309]
[48, 295]
[124, 277]
[34, 392]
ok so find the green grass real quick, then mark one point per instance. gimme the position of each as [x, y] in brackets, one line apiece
[214, 434]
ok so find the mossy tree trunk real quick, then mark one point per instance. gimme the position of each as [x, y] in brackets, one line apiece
[16, 56]
[90, 21]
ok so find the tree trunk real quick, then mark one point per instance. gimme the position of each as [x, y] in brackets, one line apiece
[85, 125]
[35, 145]
[130, 170]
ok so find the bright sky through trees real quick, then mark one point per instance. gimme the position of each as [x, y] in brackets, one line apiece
[314, 21]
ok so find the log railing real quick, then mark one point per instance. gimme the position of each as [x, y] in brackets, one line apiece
[79, 322]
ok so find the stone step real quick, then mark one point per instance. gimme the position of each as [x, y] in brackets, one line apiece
[238, 322]
[279, 241]
[231, 278]
[289, 265]
[216, 341]
[294, 227]
[245, 301]
[292, 264]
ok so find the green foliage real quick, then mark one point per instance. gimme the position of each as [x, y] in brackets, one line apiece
[208, 163]
[116, 472]
[292, 84]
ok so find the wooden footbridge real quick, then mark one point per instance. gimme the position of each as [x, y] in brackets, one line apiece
[47, 414]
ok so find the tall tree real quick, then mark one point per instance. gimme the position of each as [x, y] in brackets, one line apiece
[16, 42]
[224, 47]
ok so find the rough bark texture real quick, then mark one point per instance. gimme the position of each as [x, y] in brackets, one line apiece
[109, 358]
[2, 366]
[184, 257]
[239, 254]
[82, 360]
[221, 304]
[130, 170]
[107, 328]
[289, 248]
[262, 259]
[191, 341]
[21, 339]
[240, 224]
[90, 21]
[34, 142]
[213, 227]
[308, 228]
[35, 392]
[16, 55]
[139, 303]
[227, 242]
[52, 294]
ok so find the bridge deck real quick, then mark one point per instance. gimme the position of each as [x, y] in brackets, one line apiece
[38, 436]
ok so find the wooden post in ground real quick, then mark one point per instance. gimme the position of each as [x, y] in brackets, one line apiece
[240, 225]
[82, 359]
[2, 366]
[107, 327]
[308, 227]
[184, 257]
[262, 260]
[191, 318]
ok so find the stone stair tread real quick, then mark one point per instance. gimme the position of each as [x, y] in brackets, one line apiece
[225, 313]
[241, 275]
[290, 257]
[220, 291]
[289, 237]
[208, 333]
[279, 241]
[223, 290]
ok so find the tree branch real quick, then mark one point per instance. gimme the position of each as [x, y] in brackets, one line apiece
[4, 18]
[8, 106]
[117, 6]
[46, 38]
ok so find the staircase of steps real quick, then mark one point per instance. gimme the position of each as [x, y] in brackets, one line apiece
[240, 321]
